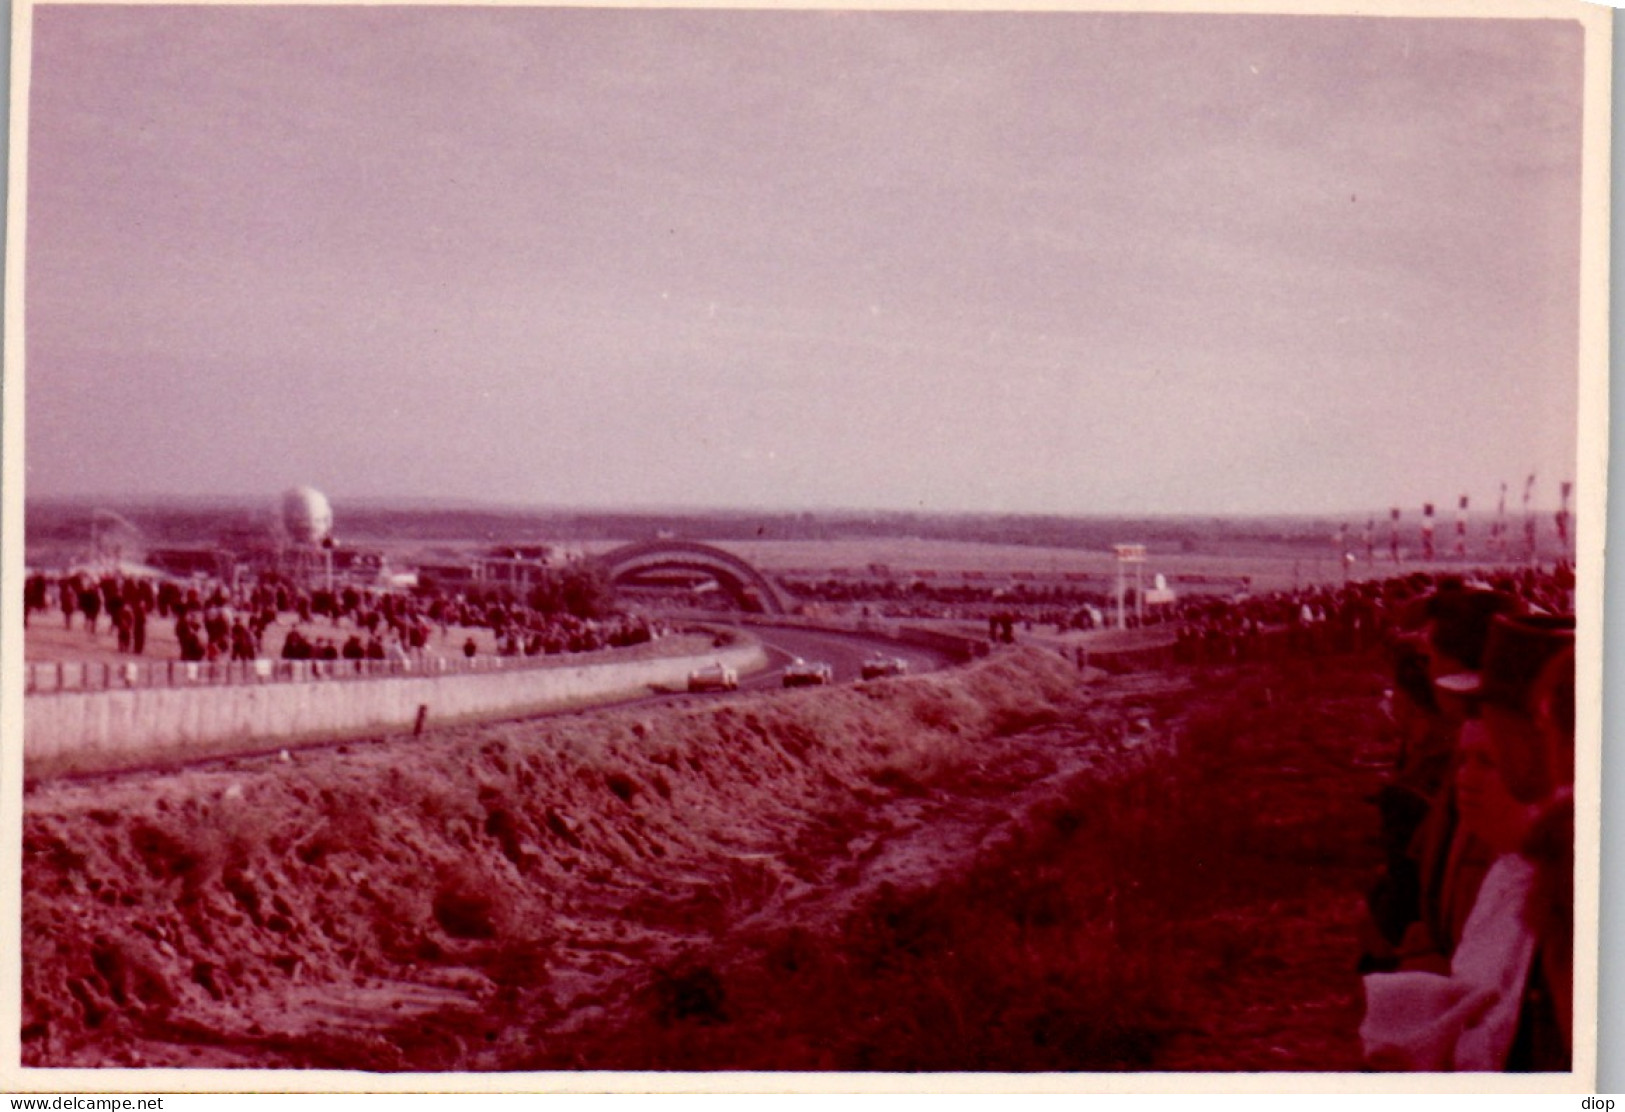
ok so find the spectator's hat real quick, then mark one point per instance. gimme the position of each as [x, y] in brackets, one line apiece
[1460, 621]
[1461, 618]
[1517, 652]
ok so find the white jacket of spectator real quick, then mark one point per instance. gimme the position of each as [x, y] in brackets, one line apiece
[1467, 1020]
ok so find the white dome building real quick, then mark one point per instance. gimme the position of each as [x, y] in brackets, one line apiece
[307, 516]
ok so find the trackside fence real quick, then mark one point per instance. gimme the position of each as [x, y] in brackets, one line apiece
[68, 676]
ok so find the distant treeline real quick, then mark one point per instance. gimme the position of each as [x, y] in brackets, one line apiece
[187, 522]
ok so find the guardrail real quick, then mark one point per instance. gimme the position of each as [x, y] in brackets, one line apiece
[65, 676]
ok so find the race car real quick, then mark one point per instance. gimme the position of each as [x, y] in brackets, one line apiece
[877, 667]
[713, 677]
[807, 673]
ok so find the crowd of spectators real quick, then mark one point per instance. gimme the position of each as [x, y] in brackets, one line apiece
[127, 602]
[1209, 627]
[214, 621]
[1064, 605]
[1354, 617]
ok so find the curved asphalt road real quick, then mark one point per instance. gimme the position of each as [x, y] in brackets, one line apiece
[843, 652]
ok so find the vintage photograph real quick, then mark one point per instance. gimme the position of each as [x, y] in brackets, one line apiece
[854, 542]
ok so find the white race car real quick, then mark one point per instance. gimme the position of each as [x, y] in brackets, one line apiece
[714, 677]
[807, 673]
[877, 667]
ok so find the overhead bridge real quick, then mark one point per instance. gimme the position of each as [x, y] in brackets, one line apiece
[648, 559]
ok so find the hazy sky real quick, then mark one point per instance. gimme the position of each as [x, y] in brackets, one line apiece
[1060, 262]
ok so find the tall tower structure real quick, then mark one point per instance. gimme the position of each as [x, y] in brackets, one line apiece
[307, 519]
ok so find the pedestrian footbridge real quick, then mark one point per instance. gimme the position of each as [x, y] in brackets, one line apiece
[755, 591]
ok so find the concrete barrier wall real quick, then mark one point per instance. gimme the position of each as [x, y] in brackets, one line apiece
[101, 730]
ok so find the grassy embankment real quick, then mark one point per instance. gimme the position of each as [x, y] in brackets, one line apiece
[1194, 911]
[994, 869]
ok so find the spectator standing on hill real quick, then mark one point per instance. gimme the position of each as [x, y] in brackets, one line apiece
[1505, 1001]
[1547, 1028]
[1434, 866]
[1528, 713]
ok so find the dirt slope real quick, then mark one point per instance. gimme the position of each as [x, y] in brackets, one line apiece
[766, 882]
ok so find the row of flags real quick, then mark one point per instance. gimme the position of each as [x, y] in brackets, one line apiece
[1500, 544]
